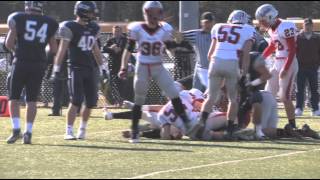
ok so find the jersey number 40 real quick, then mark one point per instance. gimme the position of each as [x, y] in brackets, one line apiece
[86, 43]
[32, 32]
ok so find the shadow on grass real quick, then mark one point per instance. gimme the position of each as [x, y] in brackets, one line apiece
[302, 117]
[304, 142]
[112, 148]
[190, 143]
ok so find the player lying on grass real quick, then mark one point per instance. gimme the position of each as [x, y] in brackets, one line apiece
[165, 124]
[216, 124]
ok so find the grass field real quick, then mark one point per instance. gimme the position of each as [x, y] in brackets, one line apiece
[105, 154]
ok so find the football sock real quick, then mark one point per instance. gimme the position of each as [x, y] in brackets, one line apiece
[153, 134]
[29, 127]
[83, 125]
[136, 116]
[259, 130]
[69, 129]
[230, 126]
[16, 123]
[179, 109]
[123, 115]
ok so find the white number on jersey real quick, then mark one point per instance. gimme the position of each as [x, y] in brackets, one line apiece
[31, 32]
[86, 43]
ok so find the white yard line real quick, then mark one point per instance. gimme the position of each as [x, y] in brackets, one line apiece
[221, 163]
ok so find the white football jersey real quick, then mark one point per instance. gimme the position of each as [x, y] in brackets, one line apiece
[167, 114]
[150, 45]
[286, 29]
[230, 39]
[192, 95]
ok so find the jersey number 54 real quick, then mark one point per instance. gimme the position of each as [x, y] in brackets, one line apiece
[32, 32]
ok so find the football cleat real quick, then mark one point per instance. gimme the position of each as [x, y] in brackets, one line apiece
[126, 134]
[27, 138]
[291, 132]
[108, 115]
[134, 139]
[306, 131]
[298, 112]
[16, 135]
[70, 137]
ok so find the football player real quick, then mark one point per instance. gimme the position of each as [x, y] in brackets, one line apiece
[29, 33]
[231, 43]
[152, 37]
[250, 95]
[283, 42]
[80, 38]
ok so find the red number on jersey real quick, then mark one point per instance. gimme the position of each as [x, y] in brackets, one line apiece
[148, 49]
[232, 38]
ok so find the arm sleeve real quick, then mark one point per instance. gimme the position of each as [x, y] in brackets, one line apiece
[65, 33]
[292, 52]
[132, 32]
[11, 21]
[214, 32]
[269, 50]
[190, 36]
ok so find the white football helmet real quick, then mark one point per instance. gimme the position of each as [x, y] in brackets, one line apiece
[152, 11]
[199, 94]
[267, 13]
[238, 17]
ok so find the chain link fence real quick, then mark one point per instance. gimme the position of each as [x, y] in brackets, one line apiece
[179, 66]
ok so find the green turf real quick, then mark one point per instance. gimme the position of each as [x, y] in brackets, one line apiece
[107, 155]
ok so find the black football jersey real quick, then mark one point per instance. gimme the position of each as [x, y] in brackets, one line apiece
[252, 72]
[33, 34]
[82, 39]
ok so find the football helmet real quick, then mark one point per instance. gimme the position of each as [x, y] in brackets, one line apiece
[266, 15]
[86, 10]
[238, 17]
[36, 6]
[152, 11]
